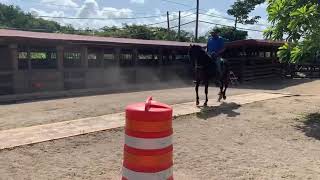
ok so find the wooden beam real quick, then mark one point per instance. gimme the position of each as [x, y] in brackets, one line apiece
[84, 57]
[60, 57]
[13, 48]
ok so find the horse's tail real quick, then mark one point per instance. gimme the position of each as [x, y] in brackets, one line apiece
[226, 64]
[227, 69]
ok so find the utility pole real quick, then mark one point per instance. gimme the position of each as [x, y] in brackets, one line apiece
[179, 25]
[197, 21]
[168, 21]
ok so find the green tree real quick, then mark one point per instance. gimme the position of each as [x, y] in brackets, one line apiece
[144, 32]
[230, 34]
[296, 21]
[14, 17]
[241, 10]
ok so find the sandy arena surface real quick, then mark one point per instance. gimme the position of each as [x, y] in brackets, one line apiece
[50, 111]
[263, 140]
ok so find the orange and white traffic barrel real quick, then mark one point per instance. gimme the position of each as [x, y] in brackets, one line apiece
[148, 149]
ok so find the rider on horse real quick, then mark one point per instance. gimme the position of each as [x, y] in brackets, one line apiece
[215, 48]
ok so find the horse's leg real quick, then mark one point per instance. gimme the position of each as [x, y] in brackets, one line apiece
[225, 90]
[221, 91]
[197, 89]
[206, 92]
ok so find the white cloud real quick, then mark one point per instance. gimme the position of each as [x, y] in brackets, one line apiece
[157, 11]
[262, 6]
[91, 9]
[66, 3]
[137, 1]
[110, 12]
[5, 1]
[37, 12]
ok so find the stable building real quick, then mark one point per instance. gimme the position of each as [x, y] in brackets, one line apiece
[36, 62]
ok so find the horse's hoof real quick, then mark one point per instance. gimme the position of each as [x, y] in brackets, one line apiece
[205, 104]
[219, 99]
[224, 97]
[197, 103]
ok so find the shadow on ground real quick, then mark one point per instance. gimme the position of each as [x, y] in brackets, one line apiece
[311, 125]
[213, 111]
[273, 84]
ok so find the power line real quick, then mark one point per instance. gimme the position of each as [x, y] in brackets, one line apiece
[155, 23]
[217, 16]
[74, 7]
[230, 26]
[227, 18]
[183, 24]
[174, 2]
[97, 18]
[123, 18]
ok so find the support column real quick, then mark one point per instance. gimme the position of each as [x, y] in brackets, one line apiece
[135, 55]
[29, 58]
[60, 57]
[100, 58]
[13, 58]
[117, 55]
[13, 48]
[160, 56]
[84, 57]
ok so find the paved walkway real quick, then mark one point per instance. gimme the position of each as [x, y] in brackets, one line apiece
[36, 134]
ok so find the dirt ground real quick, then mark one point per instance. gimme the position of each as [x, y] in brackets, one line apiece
[272, 139]
[50, 111]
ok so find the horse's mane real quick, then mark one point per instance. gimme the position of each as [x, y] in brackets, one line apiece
[203, 56]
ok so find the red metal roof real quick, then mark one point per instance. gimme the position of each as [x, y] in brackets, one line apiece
[92, 39]
[5, 33]
[254, 42]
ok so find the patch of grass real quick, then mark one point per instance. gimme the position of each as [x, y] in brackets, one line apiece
[311, 125]
[312, 119]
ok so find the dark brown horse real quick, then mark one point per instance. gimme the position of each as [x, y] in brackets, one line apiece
[205, 69]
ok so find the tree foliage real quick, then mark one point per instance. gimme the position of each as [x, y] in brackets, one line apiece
[228, 33]
[144, 32]
[241, 10]
[14, 17]
[296, 21]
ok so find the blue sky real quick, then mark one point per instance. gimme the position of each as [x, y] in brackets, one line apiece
[112, 9]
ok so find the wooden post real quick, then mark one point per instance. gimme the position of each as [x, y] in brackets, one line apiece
[84, 57]
[29, 58]
[117, 52]
[243, 64]
[100, 58]
[14, 56]
[160, 56]
[135, 55]
[60, 56]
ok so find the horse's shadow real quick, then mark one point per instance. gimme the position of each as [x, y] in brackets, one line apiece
[207, 112]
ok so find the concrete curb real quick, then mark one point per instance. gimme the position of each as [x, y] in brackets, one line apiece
[36, 134]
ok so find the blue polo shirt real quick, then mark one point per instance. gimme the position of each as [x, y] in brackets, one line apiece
[215, 44]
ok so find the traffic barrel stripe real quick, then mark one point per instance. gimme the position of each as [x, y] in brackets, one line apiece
[154, 163]
[148, 152]
[143, 143]
[150, 135]
[148, 126]
[162, 175]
